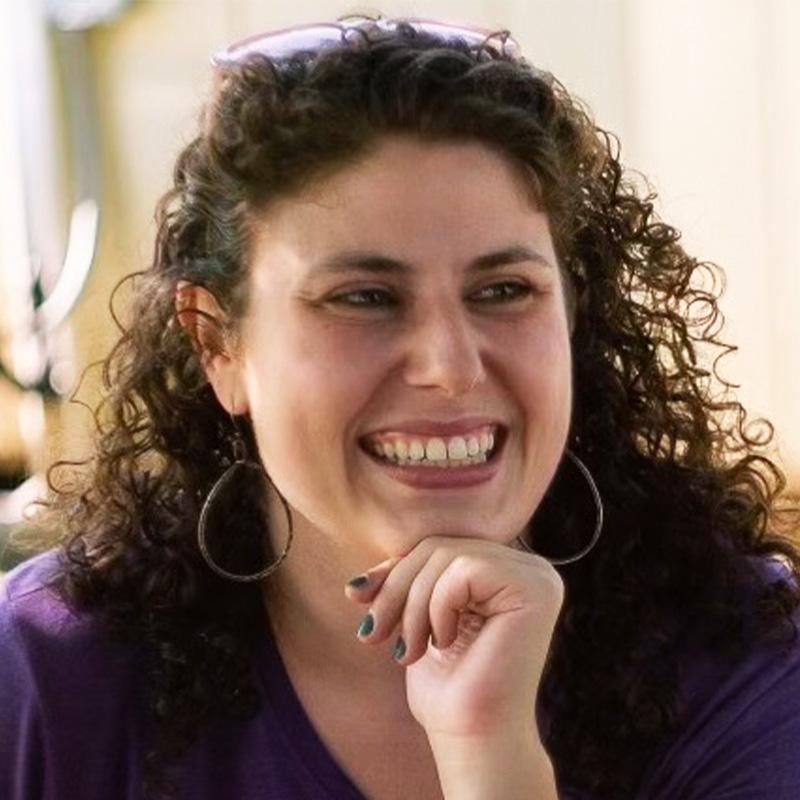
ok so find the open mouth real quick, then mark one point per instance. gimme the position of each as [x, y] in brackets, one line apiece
[439, 453]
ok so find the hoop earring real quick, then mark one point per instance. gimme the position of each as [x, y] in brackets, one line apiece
[598, 526]
[240, 459]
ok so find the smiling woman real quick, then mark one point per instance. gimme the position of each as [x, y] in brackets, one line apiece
[434, 351]
[414, 365]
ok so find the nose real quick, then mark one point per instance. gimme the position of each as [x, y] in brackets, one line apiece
[444, 352]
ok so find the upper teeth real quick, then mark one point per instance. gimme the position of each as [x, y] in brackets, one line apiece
[434, 448]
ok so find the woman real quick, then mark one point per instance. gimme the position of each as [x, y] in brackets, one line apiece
[413, 352]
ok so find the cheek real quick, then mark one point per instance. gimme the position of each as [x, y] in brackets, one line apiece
[306, 393]
[540, 373]
[334, 369]
[540, 354]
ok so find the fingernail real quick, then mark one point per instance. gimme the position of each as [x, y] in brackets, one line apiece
[358, 581]
[366, 626]
[399, 649]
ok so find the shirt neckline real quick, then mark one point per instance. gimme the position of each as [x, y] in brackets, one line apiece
[295, 726]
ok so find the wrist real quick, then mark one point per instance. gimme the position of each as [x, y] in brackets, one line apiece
[485, 768]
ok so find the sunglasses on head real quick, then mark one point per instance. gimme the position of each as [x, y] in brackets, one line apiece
[288, 41]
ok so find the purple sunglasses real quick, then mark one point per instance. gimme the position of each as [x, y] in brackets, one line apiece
[283, 43]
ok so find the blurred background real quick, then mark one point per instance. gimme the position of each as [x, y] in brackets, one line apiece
[98, 96]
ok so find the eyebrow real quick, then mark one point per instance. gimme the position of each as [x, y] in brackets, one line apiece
[376, 263]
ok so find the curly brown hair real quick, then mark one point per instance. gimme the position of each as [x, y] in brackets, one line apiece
[688, 487]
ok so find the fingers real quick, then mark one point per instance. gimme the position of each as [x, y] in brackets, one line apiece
[425, 594]
[413, 609]
[362, 588]
[399, 592]
[403, 602]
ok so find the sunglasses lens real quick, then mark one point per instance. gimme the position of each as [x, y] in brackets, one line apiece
[282, 44]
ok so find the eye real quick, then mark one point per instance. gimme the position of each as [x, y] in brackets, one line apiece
[342, 298]
[512, 290]
[518, 290]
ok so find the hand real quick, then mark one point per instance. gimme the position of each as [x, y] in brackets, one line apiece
[492, 610]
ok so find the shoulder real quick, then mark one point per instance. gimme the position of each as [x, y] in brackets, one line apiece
[39, 628]
[68, 693]
[741, 734]
[45, 646]
[30, 618]
[28, 579]
[29, 609]
[34, 620]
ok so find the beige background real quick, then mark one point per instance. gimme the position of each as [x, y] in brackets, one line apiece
[702, 94]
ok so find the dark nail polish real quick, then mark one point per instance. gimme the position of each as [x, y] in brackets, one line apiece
[399, 649]
[367, 625]
[358, 581]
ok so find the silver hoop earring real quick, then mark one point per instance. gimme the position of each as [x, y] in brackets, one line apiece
[240, 460]
[598, 526]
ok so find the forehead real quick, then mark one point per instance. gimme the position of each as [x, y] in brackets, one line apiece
[405, 194]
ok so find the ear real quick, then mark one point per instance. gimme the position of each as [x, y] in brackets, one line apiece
[203, 319]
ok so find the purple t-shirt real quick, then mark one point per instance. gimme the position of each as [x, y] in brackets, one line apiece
[71, 725]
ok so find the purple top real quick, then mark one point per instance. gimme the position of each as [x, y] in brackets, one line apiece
[71, 727]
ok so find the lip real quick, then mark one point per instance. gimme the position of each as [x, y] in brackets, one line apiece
[444, 477]
[430, 427]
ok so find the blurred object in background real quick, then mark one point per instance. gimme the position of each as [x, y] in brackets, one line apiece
[49, 217]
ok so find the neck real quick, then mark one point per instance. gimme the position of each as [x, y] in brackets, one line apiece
[313, 622]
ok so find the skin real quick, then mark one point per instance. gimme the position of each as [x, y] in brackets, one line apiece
[315, 375]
